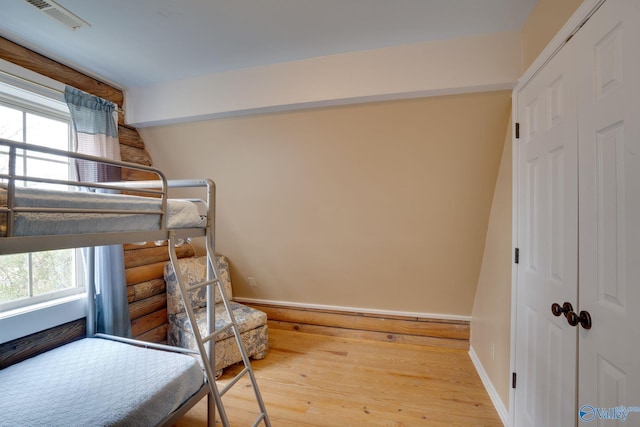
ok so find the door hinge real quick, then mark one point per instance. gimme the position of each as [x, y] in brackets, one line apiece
[516, 256]
[513, 380]
[517, 130]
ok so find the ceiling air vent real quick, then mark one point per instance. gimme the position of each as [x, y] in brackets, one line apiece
[59, 13]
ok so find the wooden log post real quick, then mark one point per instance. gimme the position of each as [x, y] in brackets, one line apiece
[146, 288]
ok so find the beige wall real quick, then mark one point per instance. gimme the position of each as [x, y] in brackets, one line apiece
[545, 21]
[490, 327]
[376, 206]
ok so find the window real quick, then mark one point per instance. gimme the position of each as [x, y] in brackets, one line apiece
[29, 280]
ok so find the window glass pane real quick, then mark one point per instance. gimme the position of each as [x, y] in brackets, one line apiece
[14, 277]
[52, 271]
[11, 124]
[27, 279]
[4, 162]
[19, 163]
[47, 132]
[46, 169]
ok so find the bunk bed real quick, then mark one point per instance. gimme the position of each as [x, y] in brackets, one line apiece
[100, 379]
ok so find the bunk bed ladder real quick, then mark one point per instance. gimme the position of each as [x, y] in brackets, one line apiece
[206, 344]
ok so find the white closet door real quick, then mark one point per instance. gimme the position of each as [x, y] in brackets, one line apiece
[547, 234]
[609, 134]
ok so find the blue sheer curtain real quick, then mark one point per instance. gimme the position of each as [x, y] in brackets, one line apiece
[96, 134]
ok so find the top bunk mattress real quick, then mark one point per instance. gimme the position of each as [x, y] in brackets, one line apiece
[143, 215]
[97, 382]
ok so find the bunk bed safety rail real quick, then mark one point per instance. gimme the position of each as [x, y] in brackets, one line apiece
[208, 202]
[14, 185]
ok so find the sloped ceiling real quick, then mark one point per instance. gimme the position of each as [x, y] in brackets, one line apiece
[136, 43]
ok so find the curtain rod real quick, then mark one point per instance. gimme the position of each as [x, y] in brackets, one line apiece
[54, 89]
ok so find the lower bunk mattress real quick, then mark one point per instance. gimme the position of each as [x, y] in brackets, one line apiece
[97, 382]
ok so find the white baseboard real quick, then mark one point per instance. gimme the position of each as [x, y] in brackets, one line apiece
[503, 413]
[435, 316]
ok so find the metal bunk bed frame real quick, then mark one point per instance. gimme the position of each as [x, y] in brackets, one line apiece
[158, 188]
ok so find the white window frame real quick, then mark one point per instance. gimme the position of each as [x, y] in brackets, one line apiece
[37, 93]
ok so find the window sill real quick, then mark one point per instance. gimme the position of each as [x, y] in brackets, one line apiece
[25, 321]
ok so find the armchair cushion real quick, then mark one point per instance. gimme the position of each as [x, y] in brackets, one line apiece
[194, 270]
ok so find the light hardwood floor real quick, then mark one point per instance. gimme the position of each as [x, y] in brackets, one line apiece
[318, 380]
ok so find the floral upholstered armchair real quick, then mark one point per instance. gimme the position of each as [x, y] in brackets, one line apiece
[252, 323]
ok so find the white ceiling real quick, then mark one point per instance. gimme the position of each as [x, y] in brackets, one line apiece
[133, 43]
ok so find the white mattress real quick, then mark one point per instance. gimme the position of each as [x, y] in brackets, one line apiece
[181, 213]
[96, 382]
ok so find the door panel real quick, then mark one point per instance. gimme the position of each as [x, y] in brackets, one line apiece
[609, 164]
[547, 202]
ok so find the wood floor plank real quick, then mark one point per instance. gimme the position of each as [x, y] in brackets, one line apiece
[319, 380]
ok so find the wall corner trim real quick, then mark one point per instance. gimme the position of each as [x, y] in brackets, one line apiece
[575, 22]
